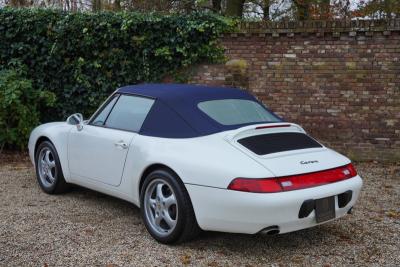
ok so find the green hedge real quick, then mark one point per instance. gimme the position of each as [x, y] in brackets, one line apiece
[19, 106]
[83, 57]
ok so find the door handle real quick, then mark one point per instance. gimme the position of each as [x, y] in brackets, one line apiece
[121, 144]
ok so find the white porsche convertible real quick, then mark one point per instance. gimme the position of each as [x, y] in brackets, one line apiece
[197, 157]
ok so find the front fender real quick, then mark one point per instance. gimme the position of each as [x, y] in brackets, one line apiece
[57, 133]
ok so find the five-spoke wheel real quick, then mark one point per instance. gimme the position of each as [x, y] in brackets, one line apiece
[48, 169]
[166, 208]
[161, 207]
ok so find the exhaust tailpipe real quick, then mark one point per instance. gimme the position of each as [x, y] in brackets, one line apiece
[270, 230]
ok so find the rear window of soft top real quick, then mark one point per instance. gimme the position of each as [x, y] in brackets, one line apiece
[236, 111]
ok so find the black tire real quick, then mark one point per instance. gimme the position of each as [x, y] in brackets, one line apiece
[59, 185]
[186, 224]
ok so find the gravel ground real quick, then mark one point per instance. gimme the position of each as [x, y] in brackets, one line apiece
[88, 228]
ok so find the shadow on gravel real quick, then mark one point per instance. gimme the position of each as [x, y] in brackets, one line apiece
[87, 228]
[235, 243]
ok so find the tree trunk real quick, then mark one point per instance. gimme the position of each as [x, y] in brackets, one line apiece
[74, 6]
[266, 9]
[303, 9]
[325, 9]
[188, 6]
[96, 5]
[216, 5]
[18, 3]
[388, 6]
[234, 8]
[346, 9]
[117, 5]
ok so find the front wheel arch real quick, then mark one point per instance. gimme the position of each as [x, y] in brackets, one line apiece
[58, 184]
[40, 140]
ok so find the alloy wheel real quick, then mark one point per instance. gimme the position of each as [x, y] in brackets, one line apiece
[161, 207]
[46, 164]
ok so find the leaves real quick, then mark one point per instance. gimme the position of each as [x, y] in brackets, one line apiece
[83, 57]
[185, 259]
[19, 103]
[393, 214]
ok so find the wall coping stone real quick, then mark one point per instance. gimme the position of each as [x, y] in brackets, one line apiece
[316, 26]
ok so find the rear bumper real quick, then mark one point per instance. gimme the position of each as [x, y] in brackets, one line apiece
[225, 210]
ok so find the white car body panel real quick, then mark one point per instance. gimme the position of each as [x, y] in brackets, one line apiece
[206, 165]
[57, 132]
[93, 153]
[242, 212]
[186, 157]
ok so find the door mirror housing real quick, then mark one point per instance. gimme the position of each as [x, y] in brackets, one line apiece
[76, 119]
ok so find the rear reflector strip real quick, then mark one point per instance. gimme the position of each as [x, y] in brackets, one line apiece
[293, 182]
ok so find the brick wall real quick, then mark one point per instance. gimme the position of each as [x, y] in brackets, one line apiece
[339, 80]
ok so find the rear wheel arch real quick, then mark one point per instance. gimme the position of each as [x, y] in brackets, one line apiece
[154, 167]
[189, 227]
[160, 166]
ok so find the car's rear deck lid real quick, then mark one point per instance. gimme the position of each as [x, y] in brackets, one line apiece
[285, 149]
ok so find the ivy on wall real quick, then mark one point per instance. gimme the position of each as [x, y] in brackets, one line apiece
[83, 57]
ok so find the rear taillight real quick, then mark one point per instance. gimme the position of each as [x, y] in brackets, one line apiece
[255, 185]
[293, 182]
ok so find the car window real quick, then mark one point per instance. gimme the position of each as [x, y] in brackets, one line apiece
[102, 116]
[129, 113]
[236, 111]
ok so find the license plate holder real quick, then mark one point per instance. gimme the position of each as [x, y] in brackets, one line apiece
[325, 209]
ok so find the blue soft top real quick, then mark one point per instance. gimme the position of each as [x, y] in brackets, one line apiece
[175, 113]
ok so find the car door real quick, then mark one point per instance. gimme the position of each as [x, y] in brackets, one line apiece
[98, 150]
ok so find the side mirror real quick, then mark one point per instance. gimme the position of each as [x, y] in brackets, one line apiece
[76, 119]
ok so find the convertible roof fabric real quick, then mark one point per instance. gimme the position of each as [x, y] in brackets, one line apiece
[175, 114]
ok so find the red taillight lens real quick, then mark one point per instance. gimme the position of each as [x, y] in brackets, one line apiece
[294, 182]
[255, 185]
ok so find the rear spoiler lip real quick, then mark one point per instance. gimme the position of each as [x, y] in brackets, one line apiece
[261, 127]
[273, 126]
